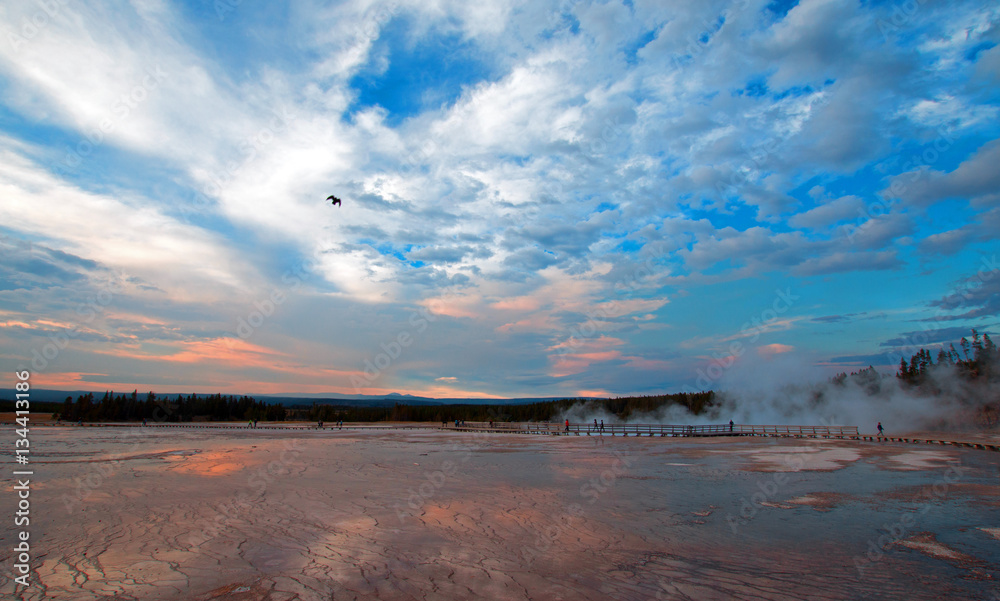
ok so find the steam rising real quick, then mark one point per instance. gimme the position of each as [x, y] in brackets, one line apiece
[786, 390]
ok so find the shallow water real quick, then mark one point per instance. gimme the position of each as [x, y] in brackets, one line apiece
[259, 514]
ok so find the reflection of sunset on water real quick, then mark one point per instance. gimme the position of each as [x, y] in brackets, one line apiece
[407, 514]
[215, 463]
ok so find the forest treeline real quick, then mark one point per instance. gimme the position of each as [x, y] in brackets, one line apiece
[977, 363]
[622, 407]
[134, 407]
[969, 374]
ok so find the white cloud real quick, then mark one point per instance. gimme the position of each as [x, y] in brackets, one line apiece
[976, 179]
[528, 197]
[845, 208]
[130, 234]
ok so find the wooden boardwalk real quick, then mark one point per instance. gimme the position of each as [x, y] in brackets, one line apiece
[559, 429]
[589, 429]
[985, 446]
[775, 431]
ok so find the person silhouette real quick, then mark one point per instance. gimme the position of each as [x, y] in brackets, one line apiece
[880, 429]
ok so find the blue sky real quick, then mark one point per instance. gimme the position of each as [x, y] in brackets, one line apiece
[539, 199]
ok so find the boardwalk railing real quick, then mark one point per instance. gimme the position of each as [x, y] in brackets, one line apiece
[527, 428]
[554, 428]
[660, 429]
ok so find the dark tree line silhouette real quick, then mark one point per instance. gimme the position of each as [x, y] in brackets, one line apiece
[868, 378]
[216, 407]
[977, 362]
[542, 411]
[969, 374]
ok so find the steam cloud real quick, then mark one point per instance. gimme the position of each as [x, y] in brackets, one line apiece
[787, 390]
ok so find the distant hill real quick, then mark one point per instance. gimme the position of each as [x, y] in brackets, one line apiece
[388, 400]
[40, 395]
[301, 399]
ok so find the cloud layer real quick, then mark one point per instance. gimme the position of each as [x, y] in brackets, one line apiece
[557, 199]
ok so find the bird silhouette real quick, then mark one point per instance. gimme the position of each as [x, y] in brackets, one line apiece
[336, 201]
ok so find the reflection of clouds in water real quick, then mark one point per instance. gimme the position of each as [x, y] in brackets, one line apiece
[796, 458]
[804, 458]
[213, 463]
[921, 460]
[927, 544]
[500, 527]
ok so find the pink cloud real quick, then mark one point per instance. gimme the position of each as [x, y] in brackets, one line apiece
[520, 303]
[454, 306]
[774, 349]
[567, 365]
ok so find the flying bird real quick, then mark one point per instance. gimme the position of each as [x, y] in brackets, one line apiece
[336, 201]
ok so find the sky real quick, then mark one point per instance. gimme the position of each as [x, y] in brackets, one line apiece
[564, 198]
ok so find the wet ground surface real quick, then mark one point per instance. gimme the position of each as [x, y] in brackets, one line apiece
[256, 514]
